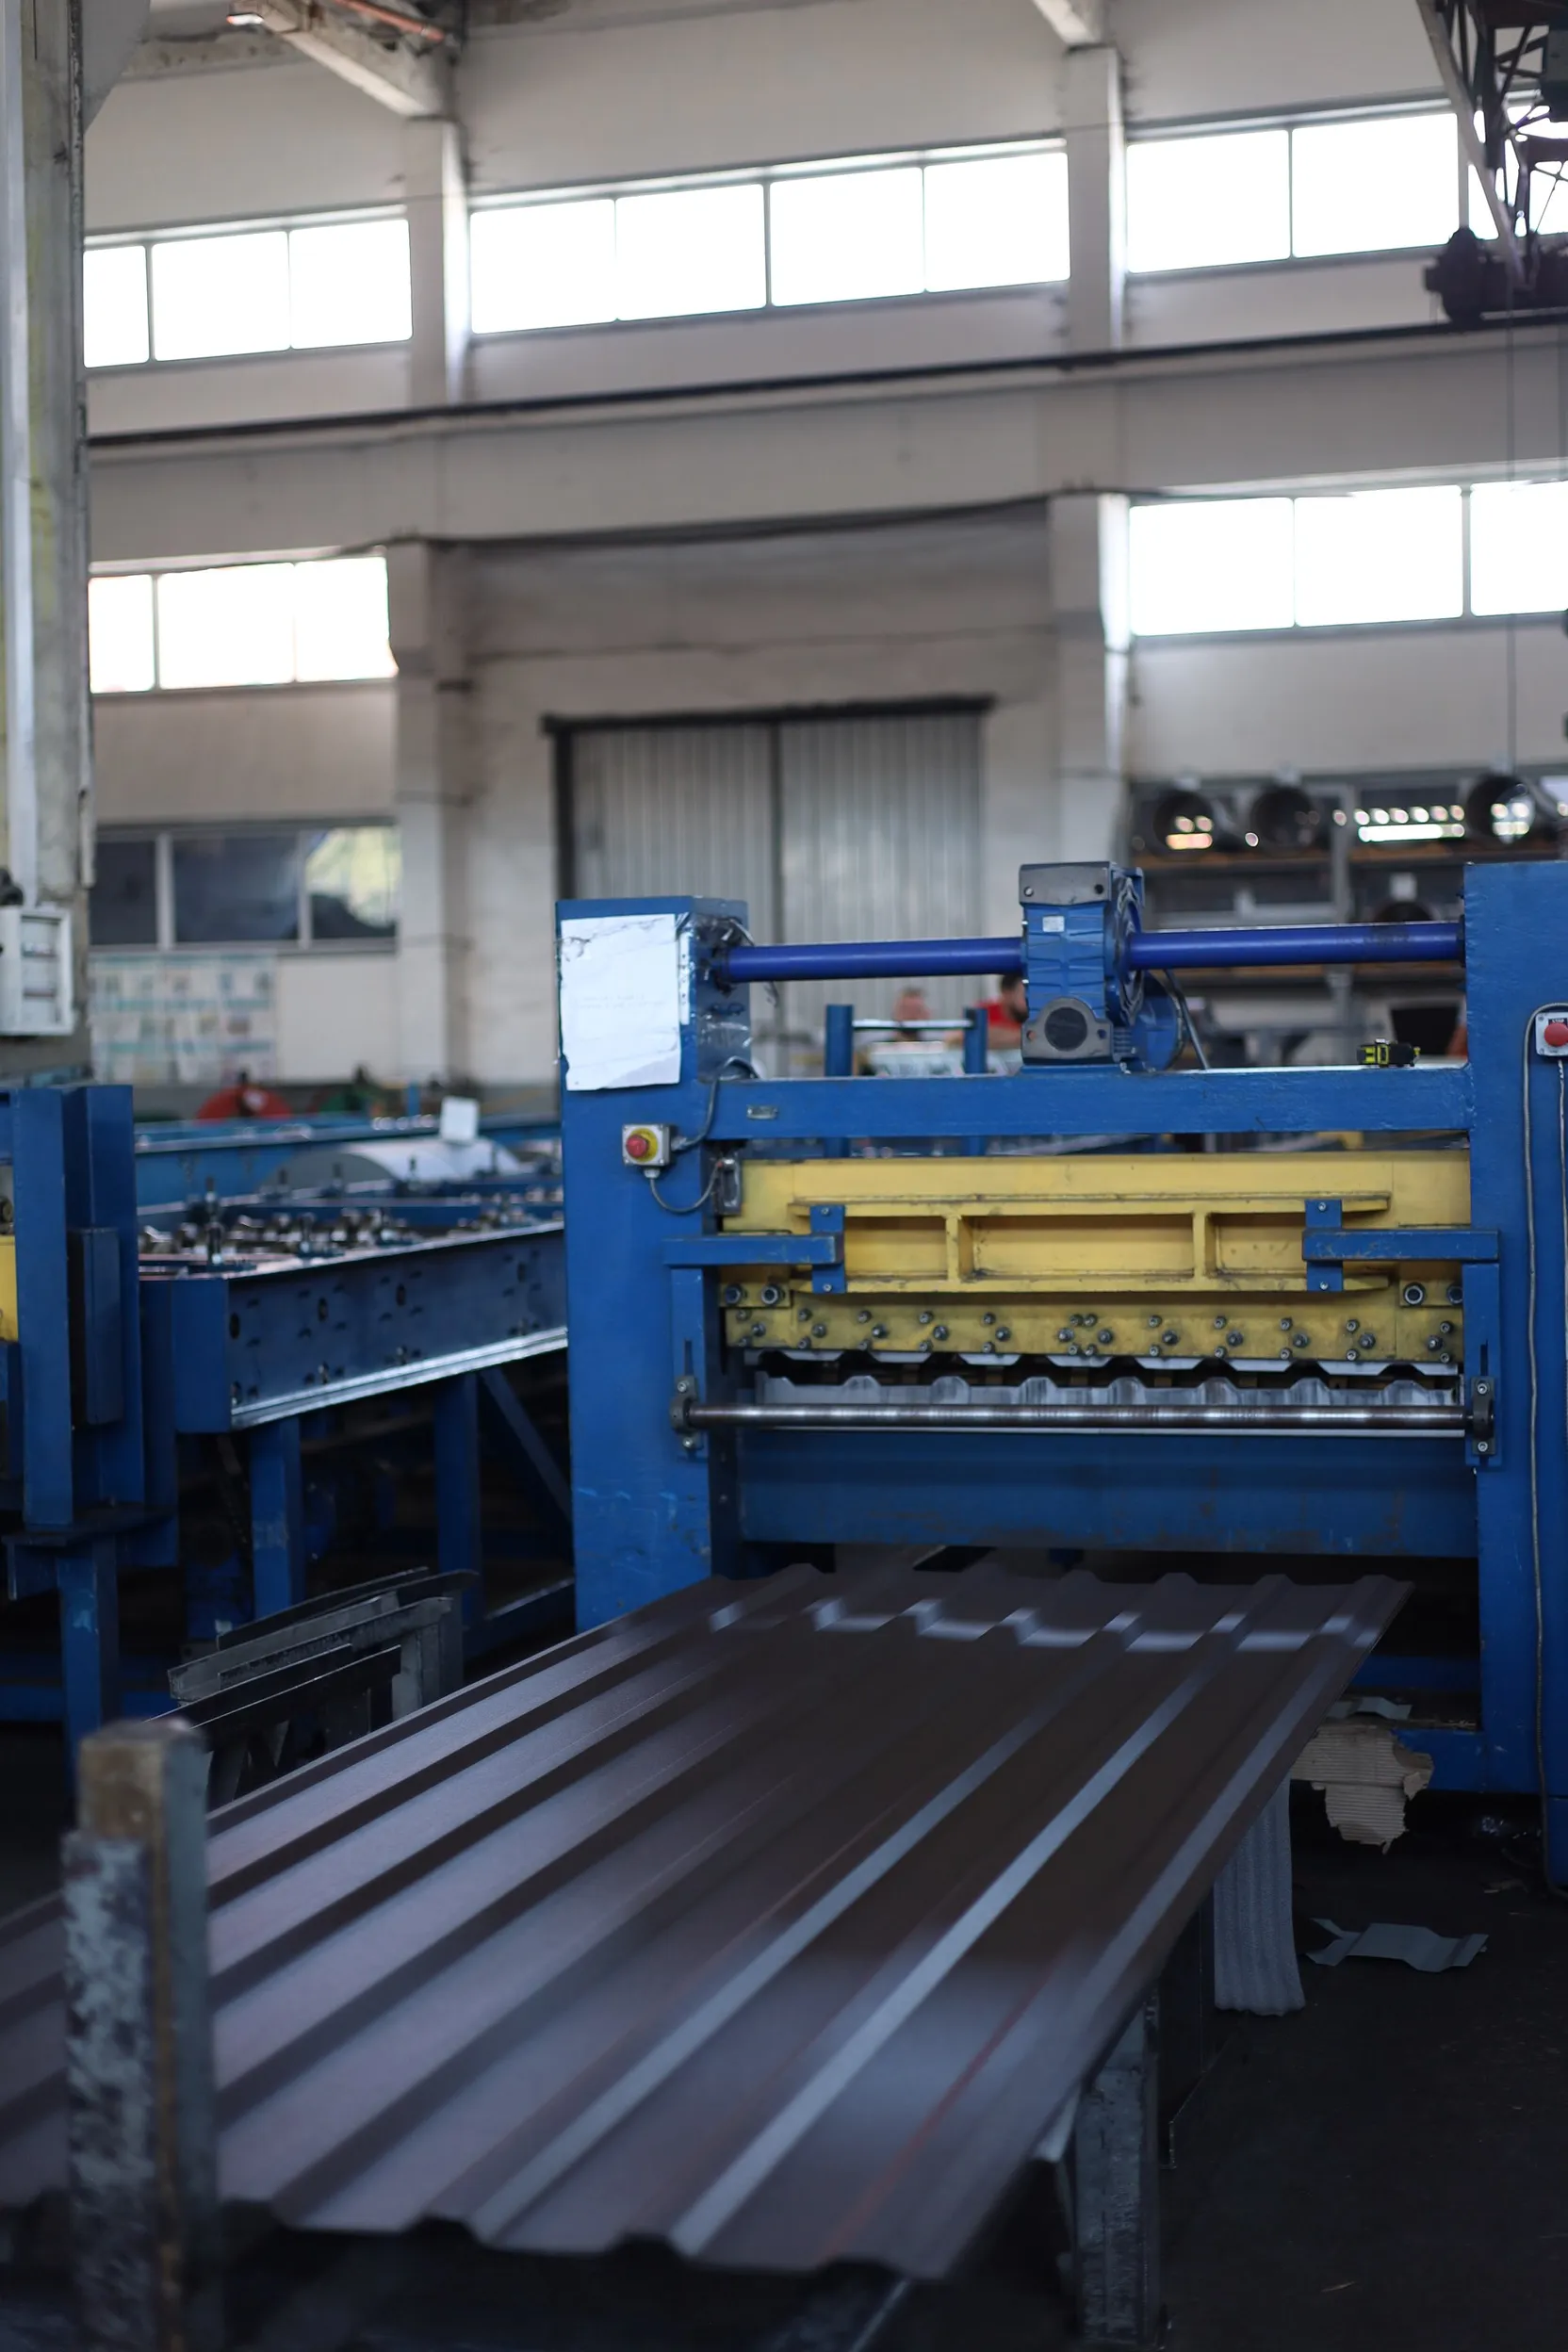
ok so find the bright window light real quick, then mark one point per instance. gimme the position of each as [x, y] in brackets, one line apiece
[1193, 204]
[233, 627]
[1357, 188]
[848, 237]
[997, 221]
[340, 626]
[694, 249]
[214, 296]
[120, 634]
[347, 283]
[1206, 563]
[542, 266]
[1519, 546]
[1379, 555]
[114, 305]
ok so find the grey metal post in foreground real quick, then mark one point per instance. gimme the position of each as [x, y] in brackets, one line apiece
[143, 2173]
[1115, 2194]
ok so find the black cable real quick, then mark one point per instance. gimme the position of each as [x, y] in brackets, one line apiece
[1183, 1013]
[681, 1144]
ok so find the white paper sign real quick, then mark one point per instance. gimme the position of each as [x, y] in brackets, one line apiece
[620, 1001]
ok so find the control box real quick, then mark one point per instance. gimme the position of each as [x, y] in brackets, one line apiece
[1551, 1032]
[649, 1146]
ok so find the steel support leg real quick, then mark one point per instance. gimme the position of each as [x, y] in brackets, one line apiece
[277, 1517]
[1116, 2188]
[140, 2108]
[88, 1579]
[460, 1536]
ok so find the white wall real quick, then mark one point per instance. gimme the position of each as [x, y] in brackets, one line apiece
[1191, 59]
[909, 614]
[335, 1012]
[1424, 697]
[295, 751]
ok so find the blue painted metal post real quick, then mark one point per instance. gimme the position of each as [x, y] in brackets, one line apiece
[87, 1574]
[460, 1532]
[277, 1517]
[838, 1041]
[977, 1038]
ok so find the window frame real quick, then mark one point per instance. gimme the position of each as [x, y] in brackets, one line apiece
[183, 232]
[766, 176]
[1467, 617]
[1305, 119]
[271, 686]
[165, 838]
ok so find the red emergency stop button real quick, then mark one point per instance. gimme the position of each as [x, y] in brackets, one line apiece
[1555, 1033]
[641, 1147]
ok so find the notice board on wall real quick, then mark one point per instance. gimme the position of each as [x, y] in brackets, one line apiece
[178, 1019]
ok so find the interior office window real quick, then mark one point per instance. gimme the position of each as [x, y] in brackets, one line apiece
[1519, 546]
[542, 266]
[842, 237]
[122, 907]
[214, 296]
[1388, 181]
[240, 890]
[688, 250]
[1379, 555]
[121, 652]
[340, 619]
[230, 627]
[114, 306]
[996, 221]
[1211, 564]
[348, 283]
[1196, 202]
[354, 878]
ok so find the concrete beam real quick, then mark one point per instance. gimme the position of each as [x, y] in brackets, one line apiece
[1077, 24]
[110, 32]
[427, 597]
[411, 86]
[1298, 415]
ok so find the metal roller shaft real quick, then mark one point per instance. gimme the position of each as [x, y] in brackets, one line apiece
[1141, 1420]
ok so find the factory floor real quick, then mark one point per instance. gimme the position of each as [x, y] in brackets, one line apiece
[1384, 2168]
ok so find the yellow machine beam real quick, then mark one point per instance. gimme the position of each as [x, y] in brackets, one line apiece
[1153, 1254]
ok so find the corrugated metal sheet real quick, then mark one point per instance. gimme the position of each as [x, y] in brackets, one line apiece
[860, 827]
[777, 1921]
[667, 809]
[881, 840]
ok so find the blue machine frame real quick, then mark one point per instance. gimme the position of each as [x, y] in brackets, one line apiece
[116, 1360]
[657, 1504]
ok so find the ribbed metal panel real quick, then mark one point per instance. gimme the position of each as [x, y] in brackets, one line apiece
[881, 840]
[860, 827]
[779, 1920]
[676, 808]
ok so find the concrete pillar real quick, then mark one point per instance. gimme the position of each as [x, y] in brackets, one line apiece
[1097, 197]
[43, 712]
[436, 192]
[1089, 585]
[427, 602]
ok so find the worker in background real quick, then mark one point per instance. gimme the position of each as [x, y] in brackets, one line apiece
[909, 1006]
[359, 1098]
[245, 1101]
[1007, 1011]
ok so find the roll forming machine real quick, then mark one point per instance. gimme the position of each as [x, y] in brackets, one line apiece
[1285, 1313]
[154, 1364]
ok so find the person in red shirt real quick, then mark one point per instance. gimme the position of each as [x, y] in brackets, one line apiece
[1007, 1011]
[245, 1101]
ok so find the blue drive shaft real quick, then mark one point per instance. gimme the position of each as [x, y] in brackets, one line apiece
[1147, 950]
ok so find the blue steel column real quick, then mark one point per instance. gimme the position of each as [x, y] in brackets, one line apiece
[87, 1574]
[650, 1513]
[277, 1517]
[1516, 934]
[460, 1533]
[838, 1041]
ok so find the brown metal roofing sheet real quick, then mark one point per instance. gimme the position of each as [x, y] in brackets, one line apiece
[777, 1921]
